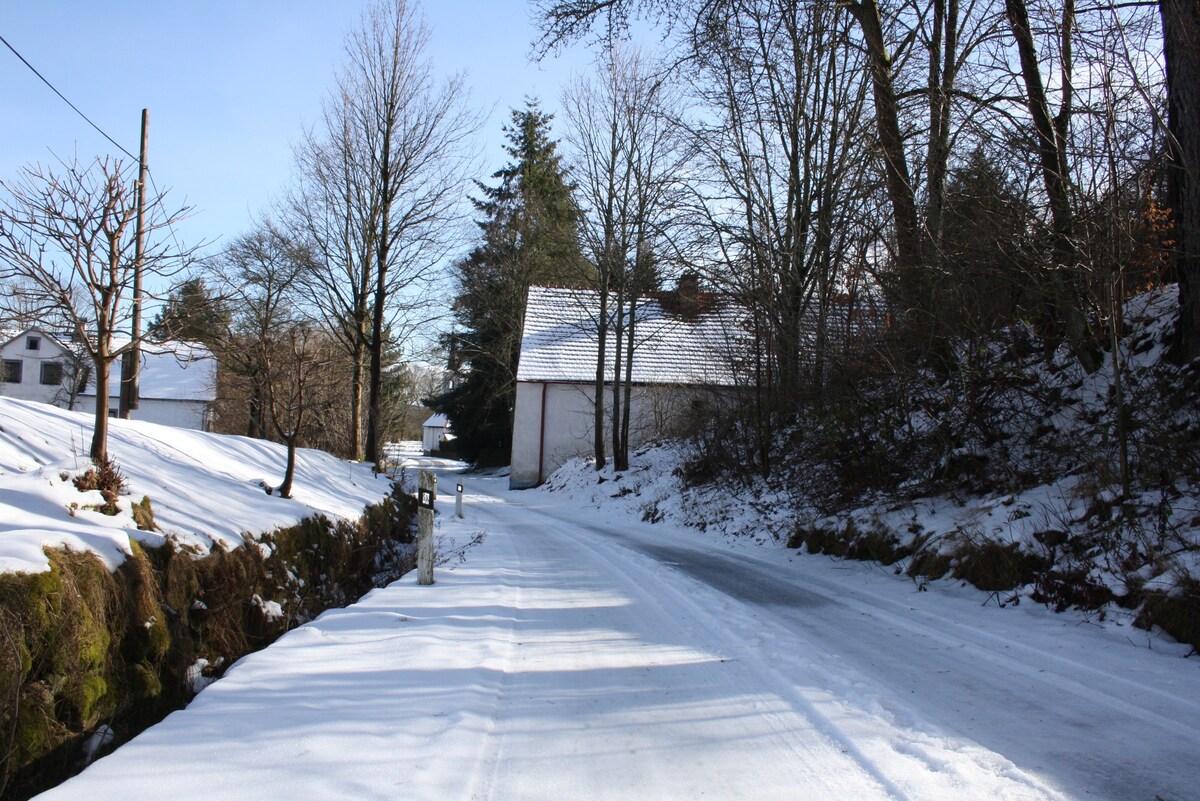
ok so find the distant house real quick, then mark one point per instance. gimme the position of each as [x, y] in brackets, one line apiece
[37, 366]
[178, 381]
[683, 362]
[434, 433]
[177, 385]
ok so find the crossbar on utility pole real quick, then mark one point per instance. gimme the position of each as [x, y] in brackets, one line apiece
[131, 362]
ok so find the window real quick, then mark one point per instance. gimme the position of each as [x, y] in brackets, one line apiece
[12, 371]
[33, 343]
[52, 373]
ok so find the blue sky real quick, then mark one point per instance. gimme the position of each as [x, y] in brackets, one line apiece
[230, 84]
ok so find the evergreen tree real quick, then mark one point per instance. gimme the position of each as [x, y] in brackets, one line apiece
[192, 313]
[530, 236]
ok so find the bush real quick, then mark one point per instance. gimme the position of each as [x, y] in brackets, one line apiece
[106, 477]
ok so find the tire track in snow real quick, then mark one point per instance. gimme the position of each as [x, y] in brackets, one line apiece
[789, 726]
[939, 755]
[1110, 688]
[739, 645]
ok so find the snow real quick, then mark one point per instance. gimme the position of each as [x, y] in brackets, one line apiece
[559, 340]
[206, 489]
[170, 371]
[569, 650]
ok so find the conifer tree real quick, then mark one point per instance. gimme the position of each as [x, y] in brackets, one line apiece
[192, 313]
[529, 235]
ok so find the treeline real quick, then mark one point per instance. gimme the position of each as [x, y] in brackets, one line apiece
[883, 186]
[886, 185]
[313, 312]
[880, 185]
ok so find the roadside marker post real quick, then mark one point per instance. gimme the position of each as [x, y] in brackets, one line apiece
[426, 495]
[458, 503]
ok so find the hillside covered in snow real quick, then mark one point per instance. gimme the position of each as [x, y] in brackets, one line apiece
[206, 490]
[1009, 478]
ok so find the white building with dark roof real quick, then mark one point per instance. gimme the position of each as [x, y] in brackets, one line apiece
[683, 359]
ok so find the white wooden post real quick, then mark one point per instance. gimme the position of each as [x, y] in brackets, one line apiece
[426, 494]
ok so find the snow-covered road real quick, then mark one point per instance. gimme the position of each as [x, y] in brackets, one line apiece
[573, 657]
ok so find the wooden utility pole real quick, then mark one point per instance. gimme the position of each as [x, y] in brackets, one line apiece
[132, 361]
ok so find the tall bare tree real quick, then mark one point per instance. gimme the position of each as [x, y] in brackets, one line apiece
[1051, 135]
[67, 250]
[1181, 47]
[332, 207]
[409, 140]
[628, 159]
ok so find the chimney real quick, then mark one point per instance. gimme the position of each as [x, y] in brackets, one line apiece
[687, 293]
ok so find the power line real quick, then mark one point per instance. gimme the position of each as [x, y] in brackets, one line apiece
[64, 99]
[33, 69]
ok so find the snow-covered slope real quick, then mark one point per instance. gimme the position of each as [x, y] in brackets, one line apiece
[1030, 505]
[204, 488]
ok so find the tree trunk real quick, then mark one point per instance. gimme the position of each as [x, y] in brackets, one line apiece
[1051, 147]
[1181, 47]
[891, 141]
[356, 397]
[374, 447]
[621, 456]
[255, 425]
[618, 345]
[99, 450]
[601, 348]
[285, 489]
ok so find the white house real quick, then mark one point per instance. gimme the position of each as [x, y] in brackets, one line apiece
[177, 385]
[434, 433]
[683, 363]
[178, 381]
[37, 366]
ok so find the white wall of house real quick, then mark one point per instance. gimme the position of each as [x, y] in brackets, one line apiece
[544, 441]
[178, 413]
[178, 386]
[36, 354]
[433, 433]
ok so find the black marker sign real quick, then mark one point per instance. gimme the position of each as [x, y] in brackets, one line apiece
[425, 498]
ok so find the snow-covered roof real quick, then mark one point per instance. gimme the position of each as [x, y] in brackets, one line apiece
[7, 335]
[170, 371]
[560, 339]
[436, 421]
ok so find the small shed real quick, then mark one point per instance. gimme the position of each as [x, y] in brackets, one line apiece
[434, 433]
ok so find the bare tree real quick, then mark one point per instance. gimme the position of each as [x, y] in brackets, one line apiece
[409, 139]
[259, 273]
[1181, 47]
[295, 366]
[629, 156]
[67, 250]
[332, 208]
[279, 358]
[1051, 130]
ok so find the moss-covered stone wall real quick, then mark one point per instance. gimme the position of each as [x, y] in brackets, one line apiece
[83, 648]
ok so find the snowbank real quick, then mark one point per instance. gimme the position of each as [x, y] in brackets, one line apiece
[206, 489]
